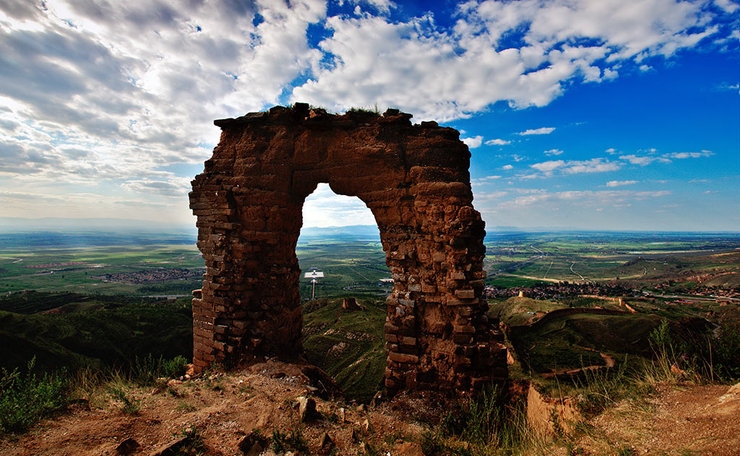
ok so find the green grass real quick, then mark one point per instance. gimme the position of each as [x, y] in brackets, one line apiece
[512, 281]
[518, 311]
[350, 268]
[574, 341]
[486, 425]
[129, 404]
[95, 331]
[26, 397]
[348, 345]
[28, 394]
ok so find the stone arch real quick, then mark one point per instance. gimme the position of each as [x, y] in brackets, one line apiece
[414, 179]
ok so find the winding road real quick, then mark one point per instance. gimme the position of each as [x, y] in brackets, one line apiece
[608, 360]
[574, 272]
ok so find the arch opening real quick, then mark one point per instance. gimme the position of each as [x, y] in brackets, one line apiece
[344, 286]
[340, 239]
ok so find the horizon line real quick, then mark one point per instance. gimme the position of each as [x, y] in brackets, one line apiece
[19, 225]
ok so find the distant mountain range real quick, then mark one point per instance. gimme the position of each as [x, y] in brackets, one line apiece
[138, 229]
[359, 232]
[72, 233]
[61, 224]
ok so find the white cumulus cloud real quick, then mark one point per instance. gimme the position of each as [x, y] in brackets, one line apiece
[115, 96]
[473, 142]
[537, 131]
[616, 183]
[594, 165]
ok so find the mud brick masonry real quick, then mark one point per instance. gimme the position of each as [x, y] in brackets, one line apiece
[414, 178]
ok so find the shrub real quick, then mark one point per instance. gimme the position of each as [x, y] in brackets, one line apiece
[722, 355]
[193, 443]
[129, 405]
[26, 398]
[481, 421]
[174, 367]
[660, 339]
[147, 369]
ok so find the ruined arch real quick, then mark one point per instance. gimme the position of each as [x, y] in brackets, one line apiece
[413, 178]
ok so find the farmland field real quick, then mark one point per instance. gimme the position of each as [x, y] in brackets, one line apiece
[594, 256]
[81, 298]
[353, 261]
[152, 267]
[352, 265]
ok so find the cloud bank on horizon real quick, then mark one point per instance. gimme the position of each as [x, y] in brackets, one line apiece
[578, 114]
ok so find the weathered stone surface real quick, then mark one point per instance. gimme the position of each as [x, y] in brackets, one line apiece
[415, 180]
[253, 444]
[326, 445]
[306, 409]
[128, 446]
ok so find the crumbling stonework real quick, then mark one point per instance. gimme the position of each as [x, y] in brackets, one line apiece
[414, 179]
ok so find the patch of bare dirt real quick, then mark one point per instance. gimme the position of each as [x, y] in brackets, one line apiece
[678, 420]
[224, 409]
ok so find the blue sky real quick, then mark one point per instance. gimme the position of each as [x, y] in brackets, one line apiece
[579, 114]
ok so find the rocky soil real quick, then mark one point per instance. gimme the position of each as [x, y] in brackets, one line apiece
[677, 420]
[230, 414]
[219, 413]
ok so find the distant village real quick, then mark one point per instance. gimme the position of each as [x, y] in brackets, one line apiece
[562, 290]
[153, 275]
